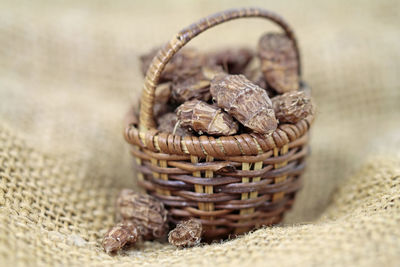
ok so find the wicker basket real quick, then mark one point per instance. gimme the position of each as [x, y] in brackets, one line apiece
[232, 184]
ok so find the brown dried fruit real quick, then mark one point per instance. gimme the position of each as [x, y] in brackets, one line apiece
[196, 86]
[186, 234]
[209, 72]
[245, 101]
[254, 74]
[186, 62]
[202, 118]
[120, 235]
[279, 62]
[145, 211]
[167, 123]
[292, 106]
[233, 61]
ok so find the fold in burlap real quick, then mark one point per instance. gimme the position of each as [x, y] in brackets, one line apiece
[69, 72]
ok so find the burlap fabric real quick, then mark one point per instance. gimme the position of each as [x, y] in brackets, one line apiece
[69, 71]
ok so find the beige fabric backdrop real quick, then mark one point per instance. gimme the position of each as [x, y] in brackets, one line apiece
[69, 71]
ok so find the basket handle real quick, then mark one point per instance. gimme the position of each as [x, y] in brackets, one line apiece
[182, 38]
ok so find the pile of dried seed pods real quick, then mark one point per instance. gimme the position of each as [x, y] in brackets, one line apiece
[143, 217]
[231, 91]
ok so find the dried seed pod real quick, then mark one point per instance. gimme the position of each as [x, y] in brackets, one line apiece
[145, 211]
[245, 101]
[254, 74]
[186, 234]
[167, 123]
[196, 86]
[120, 235]
[233, 61]
[202, 118]
[279, 62]
[292, 106]
[210, 71]
[186, 62]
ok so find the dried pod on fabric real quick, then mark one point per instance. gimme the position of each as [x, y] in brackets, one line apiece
[202, 118]
[186, 234]
[145, 211]
[245, 101]
[120, 235]
[279, 62]
[292, 107]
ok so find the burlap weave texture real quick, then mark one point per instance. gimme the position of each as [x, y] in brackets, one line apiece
[69, 71]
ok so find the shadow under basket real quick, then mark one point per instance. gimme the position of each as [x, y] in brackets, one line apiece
[232, 184]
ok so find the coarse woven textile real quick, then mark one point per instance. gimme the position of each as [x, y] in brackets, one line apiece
[69, 71]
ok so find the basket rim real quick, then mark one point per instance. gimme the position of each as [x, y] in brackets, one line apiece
[246, 144]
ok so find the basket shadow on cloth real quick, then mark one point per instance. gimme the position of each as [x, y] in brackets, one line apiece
[232, 184]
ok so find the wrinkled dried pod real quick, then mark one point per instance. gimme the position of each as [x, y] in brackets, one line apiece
[145, 211]
[120, 235]
[233, 61]
[202, 118]
[186, 234]
[279, 62]
[186, 62]
[196, 86]
[292, 106]
[254, 74]
[167, 123]
[245, 101]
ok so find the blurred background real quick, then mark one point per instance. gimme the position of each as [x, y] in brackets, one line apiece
[69, 71]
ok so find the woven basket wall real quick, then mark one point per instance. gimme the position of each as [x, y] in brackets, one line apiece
[231, 184]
